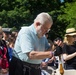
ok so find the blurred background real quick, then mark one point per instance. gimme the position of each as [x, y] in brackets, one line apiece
[17, 13]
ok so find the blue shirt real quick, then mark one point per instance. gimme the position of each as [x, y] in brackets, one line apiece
[27, 41]
[10, 52]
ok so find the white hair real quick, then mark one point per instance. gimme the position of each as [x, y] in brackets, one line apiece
[43, 18]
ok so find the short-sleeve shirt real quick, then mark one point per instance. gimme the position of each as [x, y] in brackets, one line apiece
[69, 49]
[27, 41]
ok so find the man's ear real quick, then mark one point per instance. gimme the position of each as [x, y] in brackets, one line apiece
[38, 24]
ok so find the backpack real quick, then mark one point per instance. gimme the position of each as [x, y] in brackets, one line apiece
[3, 55]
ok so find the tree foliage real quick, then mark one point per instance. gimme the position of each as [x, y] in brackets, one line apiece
[69, 14]
[18, 13]
[64, 18]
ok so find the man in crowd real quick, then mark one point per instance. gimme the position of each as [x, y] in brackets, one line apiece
[31, 47]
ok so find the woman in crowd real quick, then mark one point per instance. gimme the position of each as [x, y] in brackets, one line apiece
[69, 49]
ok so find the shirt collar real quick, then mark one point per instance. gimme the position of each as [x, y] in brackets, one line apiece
[33, 29]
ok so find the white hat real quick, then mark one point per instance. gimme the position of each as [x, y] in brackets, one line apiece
[70, 32]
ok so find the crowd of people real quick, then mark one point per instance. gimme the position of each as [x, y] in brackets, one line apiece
[7, 40]
[28, 51]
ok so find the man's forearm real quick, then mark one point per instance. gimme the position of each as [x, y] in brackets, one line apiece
[40, 55]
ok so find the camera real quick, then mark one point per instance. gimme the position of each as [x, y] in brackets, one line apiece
[58, 38]
[58, 50]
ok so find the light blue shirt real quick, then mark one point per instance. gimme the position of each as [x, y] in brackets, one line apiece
[27, 41]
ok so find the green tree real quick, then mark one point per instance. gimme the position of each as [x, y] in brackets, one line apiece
[69, 15]
[63, 19]
[17, 13]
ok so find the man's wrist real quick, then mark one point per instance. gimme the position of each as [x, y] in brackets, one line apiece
[52, 53]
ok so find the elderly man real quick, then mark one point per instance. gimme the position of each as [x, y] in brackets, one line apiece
[31, 47]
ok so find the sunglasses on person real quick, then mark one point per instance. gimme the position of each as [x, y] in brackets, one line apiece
[74, 36]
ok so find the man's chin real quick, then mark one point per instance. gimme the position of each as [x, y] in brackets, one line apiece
[40, 36]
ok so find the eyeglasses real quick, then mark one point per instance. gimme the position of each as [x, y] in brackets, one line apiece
[47, 29]
[74, 36]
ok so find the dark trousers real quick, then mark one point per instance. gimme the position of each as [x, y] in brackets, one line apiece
[18, 67]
